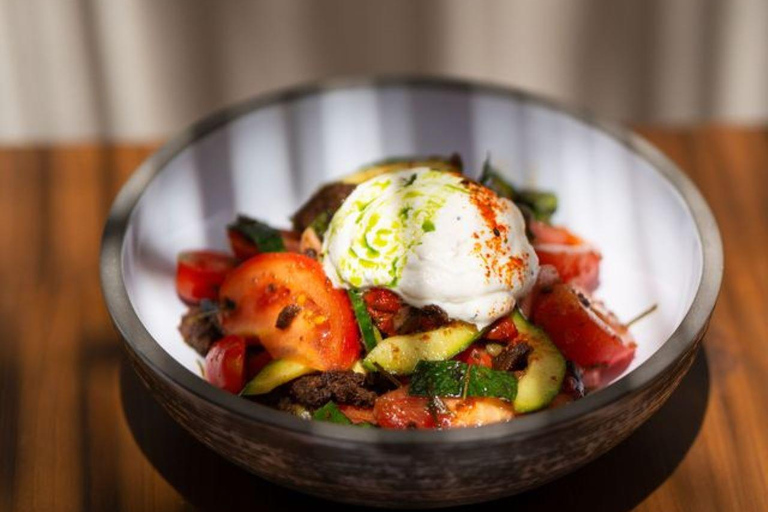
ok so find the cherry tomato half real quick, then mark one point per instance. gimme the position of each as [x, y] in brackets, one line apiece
[225, 364]
[286, 301]
[199, 274]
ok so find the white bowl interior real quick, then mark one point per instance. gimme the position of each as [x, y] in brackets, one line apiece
[266, 162]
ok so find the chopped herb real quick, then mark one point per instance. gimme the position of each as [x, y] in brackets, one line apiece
[457, 379]
[428, 226]
[331, 413]
[263, 236]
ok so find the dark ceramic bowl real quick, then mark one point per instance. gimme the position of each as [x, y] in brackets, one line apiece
[659, 240]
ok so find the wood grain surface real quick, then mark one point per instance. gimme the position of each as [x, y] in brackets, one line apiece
[79, 432]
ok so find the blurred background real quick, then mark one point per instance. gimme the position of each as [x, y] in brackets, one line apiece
[139, 70]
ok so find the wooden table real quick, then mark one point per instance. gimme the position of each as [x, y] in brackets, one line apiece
[78, 432]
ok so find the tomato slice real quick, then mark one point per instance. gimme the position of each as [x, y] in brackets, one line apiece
[585, 333]
[286, 301]
[477, 355]
[199, 274]
[544, 233]
[225, 364]
[398, 410]
[502, 330]
[357, 414]
[577, 264]
[383, 305]
[475, 412]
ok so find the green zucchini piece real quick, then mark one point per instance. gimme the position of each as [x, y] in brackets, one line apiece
[263, 236]
[544, 375]
[399, 355]
[491, 383]
[370, 334]
[438, 163]
[438, 378]
[457, 379]
[275, 374]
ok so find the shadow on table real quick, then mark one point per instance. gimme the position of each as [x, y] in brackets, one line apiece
[617, 481]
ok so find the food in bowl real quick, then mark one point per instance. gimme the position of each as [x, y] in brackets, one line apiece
[406, 295]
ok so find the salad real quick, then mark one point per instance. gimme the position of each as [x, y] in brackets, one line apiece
[406, 295]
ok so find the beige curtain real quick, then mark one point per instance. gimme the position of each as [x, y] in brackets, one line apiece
[142, 69]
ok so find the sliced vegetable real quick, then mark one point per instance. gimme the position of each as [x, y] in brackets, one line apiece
[199, 274]
[262, 236]
[584, 332]
[383, 305]
[285, 300]
[331, 413]
[358, 415]
[400, 354]
[476, 354]
[452, 164]
[544, 374]
[476, 412]
[457, 379]
[502, 329]
[225, 364]
[544, 233]
[274, 374]
[398, 410]
[370, 334]
[578, 265]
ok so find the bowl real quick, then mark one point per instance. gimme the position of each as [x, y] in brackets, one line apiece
[659, 240]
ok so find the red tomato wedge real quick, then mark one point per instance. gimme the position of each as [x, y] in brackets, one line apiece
[477, 355]
[225, 364]
[577, 264]
[544, 233]
[199, 274]
[383, 305]
[357, 414]
[286, 301]
[585, 333]
[398, 410]
[502, 330]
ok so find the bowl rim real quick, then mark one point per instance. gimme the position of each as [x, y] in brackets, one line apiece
[146, 348]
